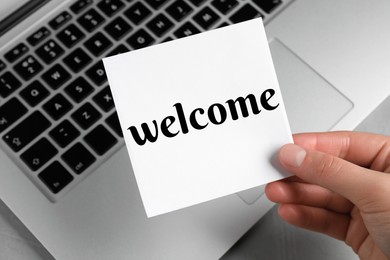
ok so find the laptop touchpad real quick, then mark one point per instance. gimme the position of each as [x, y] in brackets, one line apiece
[312, 103]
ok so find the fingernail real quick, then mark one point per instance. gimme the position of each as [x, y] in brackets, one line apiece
[292, 155]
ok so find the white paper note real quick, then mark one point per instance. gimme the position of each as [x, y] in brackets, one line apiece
[202, 116]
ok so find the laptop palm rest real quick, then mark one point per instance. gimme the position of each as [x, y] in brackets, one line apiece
[312, 103]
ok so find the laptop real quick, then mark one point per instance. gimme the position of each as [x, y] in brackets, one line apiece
[65, 172]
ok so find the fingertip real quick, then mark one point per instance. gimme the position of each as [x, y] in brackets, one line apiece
[277, 191]
[306, 140]
[270, 191]
[292, 155]
[290, 213]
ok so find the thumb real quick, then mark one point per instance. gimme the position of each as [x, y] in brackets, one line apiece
[360, 185]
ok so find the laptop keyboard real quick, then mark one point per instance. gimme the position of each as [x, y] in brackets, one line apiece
[57, 116]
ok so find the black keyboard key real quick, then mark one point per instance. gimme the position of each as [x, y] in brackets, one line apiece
[186, 29]
[179, 10]
[223, 24]
[55, 177]
[70, 35]
[57, 106]
[64, 133]
[56, 76]
[268, 5]
[86, 116]
[28, 67]
[26, 131]
[78, 158]
[2, 65]
[169, 38]
[104, 99]
[16, 52]
[110, 7]
[90, 20]
[246, 12]
[206, 18]
[156, 3]
[225, 6]
[37, 37]
[39, 154]
[97, 44]
[197, 2]
[77, 60]
[80, 5]
[140, 39]
[8, 84]
[137, 13]
[113, 122]
[60, 20]
[10, 112]
[97, 73]
[118, 50]
[117, 28]
[100, 140]
[159, 25]
[49, 51]
[79, 89]
[34, 93]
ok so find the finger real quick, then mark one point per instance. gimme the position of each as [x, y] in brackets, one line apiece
[357, 184]
[363, 149]
[292, 179]
[357, 231]
[316, 219]
[308, 195]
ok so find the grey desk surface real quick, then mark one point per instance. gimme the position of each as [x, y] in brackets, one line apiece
[270, 238]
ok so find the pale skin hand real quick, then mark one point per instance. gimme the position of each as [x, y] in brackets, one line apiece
[341, 188]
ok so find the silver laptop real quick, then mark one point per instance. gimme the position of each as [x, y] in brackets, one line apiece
[65, 172]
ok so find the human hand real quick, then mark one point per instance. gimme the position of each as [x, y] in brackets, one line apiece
[341, 188]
